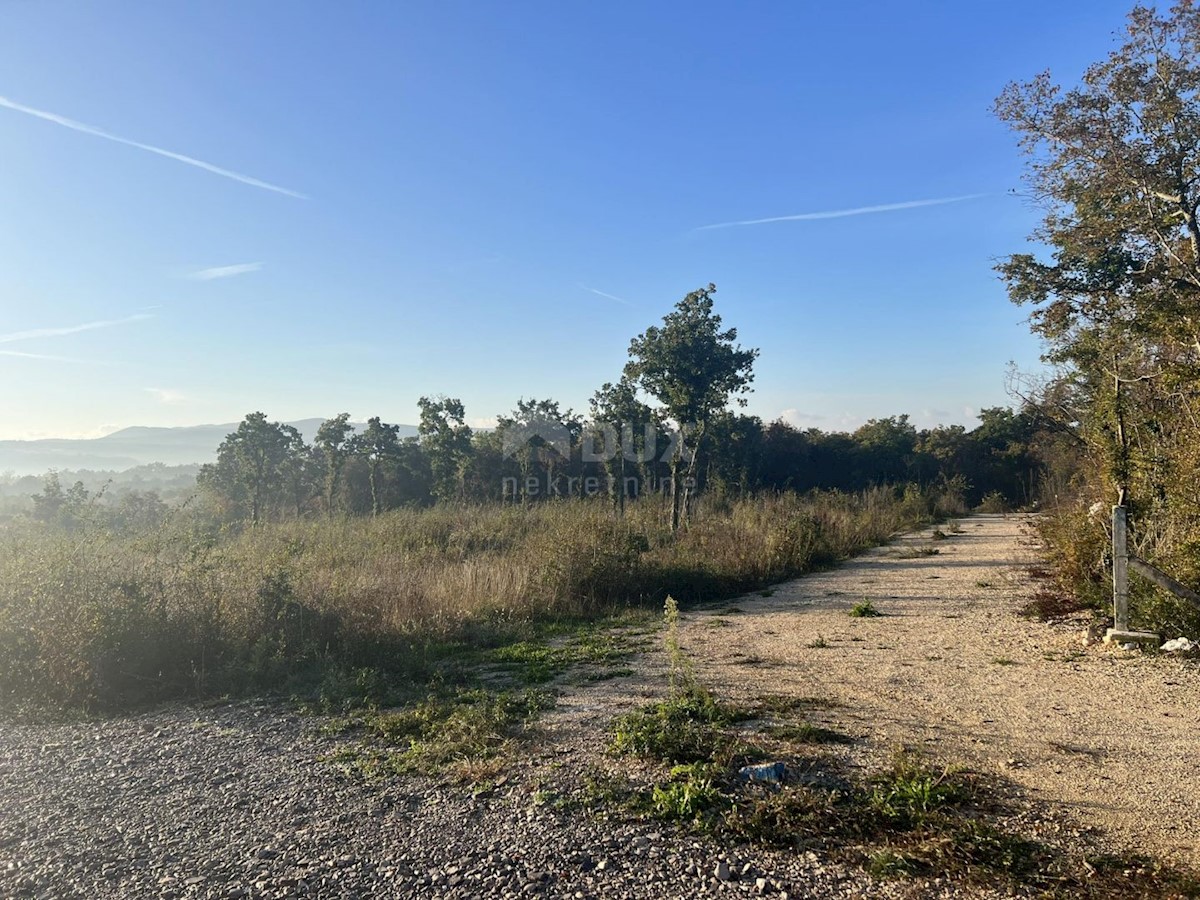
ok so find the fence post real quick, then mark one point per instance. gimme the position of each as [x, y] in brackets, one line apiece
[1120, 543]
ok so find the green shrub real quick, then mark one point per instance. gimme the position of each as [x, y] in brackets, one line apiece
[687, 795]
[684, 728]
[864, 610]
[908, 794]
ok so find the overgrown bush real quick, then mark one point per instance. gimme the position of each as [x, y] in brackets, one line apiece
[994, 503]
[1077, 543]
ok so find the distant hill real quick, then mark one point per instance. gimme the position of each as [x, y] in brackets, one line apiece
[131, 447]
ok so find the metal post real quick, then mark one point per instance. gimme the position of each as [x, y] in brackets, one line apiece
[1120, 540]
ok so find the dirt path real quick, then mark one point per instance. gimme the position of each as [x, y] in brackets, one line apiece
[243, 800]
[1105, 737]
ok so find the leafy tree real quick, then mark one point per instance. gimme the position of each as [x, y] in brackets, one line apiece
[1116, 163]
[786, 457]
[378, 444]
[627, 429]
[300, 470]
[737, 466]
[446, 439]
[693, 368]
[490, 466]
[250, 472]
[67, 509]
[48, 505]
[887, 450]
[541, 436]
[334, 443]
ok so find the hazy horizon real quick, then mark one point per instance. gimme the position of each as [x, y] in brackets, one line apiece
[924, 419]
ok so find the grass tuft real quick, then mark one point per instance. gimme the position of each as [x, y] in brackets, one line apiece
[465, 734]
[864, 610]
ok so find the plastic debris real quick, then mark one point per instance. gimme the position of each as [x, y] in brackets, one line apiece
[1179, 645]
[767, 773]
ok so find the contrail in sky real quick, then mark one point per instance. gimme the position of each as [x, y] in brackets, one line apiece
[843, 213]
[225, 271]
[603, 294]
[69, 329]
[149, 148]
[45, 356]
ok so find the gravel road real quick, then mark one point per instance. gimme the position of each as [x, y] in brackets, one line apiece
[1104, 737]
[236, 800]
[233, 802]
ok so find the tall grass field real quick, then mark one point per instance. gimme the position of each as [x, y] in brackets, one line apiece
[102, 620]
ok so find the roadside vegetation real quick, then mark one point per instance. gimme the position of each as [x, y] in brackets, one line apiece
[97, 618]
[1111, 160]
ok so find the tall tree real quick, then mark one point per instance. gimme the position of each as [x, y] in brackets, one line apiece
[627, 427]
[694, 369]
[541, 436]
[378, 444]
[737, 466]
[1116, 163]
[249, 471]
[446, 438]
[65, 508]
[300, 470]
[887, 448]
[333, 441]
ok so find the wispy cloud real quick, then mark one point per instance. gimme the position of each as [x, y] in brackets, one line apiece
[149, 148]
[166, 395]
[224, 271]
[605, 295]
[33, 333]
[843, 213]
[46, 356]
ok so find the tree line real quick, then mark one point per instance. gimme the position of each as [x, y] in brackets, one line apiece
[265, 470]
[669, 427]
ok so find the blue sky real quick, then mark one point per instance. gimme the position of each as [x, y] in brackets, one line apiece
[363, 203]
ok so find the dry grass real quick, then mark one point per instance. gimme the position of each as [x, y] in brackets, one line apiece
[98, 619]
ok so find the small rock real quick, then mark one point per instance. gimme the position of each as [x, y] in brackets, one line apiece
[721, 872]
